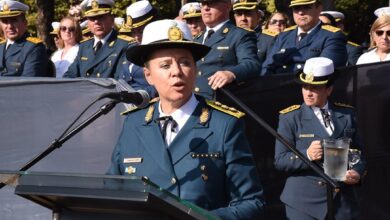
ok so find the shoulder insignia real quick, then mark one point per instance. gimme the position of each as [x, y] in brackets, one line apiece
[339, 104]
[34, 40]
[224, 108]
[353, 44]
[198, 35]
[86, 40]
[290, 28]
[126, 38]
[269, 32]
[290, 109]
[204, 116]
[226, 30]
[3, 41]
[330, 28]
[136, 108]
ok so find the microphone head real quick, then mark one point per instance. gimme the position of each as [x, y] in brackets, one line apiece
[145, 98]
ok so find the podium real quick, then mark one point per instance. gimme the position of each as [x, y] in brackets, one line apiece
[87, 196]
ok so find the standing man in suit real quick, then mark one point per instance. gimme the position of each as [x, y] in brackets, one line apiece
[304, 126]
[309, 38]
[194, 148]
[21, 54]
[233, 55]
[99, 56]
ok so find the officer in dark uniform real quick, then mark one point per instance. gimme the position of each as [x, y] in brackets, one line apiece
[99, 56]
[304, 126]
[306, 40]
[21, 54]
[233, 56]
[193, 148]
[193, 17]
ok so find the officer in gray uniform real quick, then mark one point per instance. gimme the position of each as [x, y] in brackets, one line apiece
[99, 56]
[304, 126]
[21, 54]
[194, 148]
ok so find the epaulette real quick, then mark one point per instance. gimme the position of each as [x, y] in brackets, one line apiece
[269, 33]
[127, 38]
[353, 44]
[343, 105]
[224, 108]
[198, 35]
[34, 40]
[290, 28]
[136, 108]
[290, 109]
[330, 28]
[82, 41]
[3, 41]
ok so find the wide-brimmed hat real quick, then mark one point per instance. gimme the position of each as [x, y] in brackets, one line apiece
[163, 34]
[191, 10]
[384, 11]
[121, 26]
[245, 4]
[302, 2]
[317, 71]
[338, 16]
[9, 8]
[93, 8]
[140, 13]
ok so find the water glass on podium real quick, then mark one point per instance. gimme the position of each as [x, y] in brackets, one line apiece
[336, 157]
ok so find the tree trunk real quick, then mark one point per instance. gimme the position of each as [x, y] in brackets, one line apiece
[45, 16]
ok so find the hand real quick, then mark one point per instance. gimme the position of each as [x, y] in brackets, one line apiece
[352, 177]
[315, 150]
[220, 79]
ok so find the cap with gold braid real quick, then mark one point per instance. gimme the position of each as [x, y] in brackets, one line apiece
[245, 4]
[302, 2]
[95, 8]
[56, 27]
[191, 10]
[9, 8]
[140, 13]
[317, 71]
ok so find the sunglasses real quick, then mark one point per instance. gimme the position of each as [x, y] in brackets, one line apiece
[70, 29]
[275, 21]
[380, 33]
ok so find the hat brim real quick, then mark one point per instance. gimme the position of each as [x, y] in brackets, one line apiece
[300, 77]
[244, 6]
[292, 4]
[97, 12]
[138, 54]
[10, 14]
[193, 15]
[144, 19]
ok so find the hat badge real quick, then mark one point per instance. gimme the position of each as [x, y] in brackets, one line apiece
[129, 21]
[174, 33]
[94, 4]
[309, 77]
[192, 10]
[6, 7]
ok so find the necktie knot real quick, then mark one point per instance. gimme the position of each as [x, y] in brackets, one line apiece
[166, 120]
[301, 36]
[98, 45]
[209, 33]
[325, 117]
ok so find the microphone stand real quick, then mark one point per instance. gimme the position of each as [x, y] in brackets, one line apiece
[57, 143]
[330, 183]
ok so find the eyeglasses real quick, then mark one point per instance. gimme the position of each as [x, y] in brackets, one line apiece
[275, 21]
[379, 33]
[70, 29]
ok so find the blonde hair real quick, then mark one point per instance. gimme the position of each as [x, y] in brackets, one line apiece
[380, 22]
[78, 34]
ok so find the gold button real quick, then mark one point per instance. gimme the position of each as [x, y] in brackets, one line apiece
[196, 89]
[200, 73]
[291, 158]
[321, 183]
[173, 180]
[203, 167]
[203, 59]
[284, 67]
[98, 75]
[205, 177]
[87, 74]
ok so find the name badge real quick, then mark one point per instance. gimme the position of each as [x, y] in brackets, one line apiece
[223, 48]
[133, 160]
[306, 135]
[84, 58]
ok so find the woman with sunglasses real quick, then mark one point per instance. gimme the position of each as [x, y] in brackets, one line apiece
[380, 42]
[70, 35]
[277, 22]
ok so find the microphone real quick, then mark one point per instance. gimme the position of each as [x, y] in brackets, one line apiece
[139, 98]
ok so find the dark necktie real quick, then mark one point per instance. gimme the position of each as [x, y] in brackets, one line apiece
[301, 36]
[209, 33]
[326, 118]
[165, 121]
[98, 45]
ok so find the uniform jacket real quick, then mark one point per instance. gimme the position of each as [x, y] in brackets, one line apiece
[304, 190]
[209, 162]
[354, 51]
[265, 41]
[26, 57]
[232, 49]
[288, 55]
[106, 62]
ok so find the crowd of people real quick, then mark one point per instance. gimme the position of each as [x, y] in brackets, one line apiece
[196, 148]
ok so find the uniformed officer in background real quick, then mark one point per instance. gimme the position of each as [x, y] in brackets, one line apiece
[99, 56]
[233, 55]
[193, 148]
[193, 17]
[248, 15]
[304, 126]
[309, 38]
[21, 54]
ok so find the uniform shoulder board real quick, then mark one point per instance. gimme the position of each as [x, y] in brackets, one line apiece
[126, 38]
[339, 104]
[330, 28]
[34, 40]
[353, 44]
[290, 109]
[269, 32]
[198, 35]
[135, 108]
[87, 39]
[224, 108]
[290, 28]
[3, 41]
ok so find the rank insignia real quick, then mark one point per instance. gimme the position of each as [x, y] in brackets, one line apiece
[130, 170]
